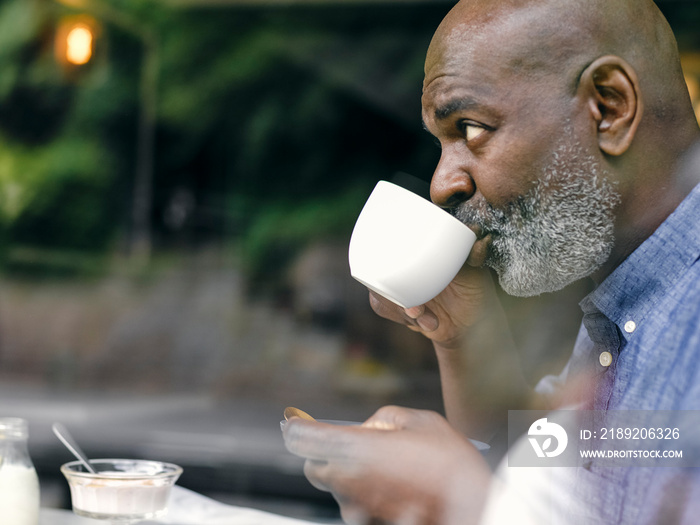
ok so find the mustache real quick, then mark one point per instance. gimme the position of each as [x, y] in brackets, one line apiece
[490, 219]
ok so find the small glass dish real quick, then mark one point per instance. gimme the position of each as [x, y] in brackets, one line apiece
[123, 490]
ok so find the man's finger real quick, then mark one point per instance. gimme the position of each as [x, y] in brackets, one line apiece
[385, 308]
[418, 318]
[416, 311]
[390, 417]
[428, 321]
[315, 472]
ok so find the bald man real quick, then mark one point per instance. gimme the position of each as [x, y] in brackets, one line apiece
[569, 145]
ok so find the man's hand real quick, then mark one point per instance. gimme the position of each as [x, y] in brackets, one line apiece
[401, 466]
[479, 369]
[445, 318]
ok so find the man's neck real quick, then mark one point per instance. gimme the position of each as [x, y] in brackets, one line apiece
[644, 211]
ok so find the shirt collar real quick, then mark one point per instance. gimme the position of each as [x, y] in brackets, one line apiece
[628, 294]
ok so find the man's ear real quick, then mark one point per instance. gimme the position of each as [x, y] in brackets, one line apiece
[611, 88]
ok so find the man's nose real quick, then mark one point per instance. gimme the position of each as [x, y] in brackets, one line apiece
[451, 183]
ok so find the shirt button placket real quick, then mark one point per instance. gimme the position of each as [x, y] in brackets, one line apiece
[605, 359]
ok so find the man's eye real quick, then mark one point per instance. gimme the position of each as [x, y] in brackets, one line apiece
[472, 131]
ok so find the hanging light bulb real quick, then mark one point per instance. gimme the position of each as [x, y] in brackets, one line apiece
[79, 42]
[75, 40]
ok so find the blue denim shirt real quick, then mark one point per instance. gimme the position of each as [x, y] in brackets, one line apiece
[647, 315]
[640, 340]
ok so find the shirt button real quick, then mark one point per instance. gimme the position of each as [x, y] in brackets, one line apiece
[630, 326]
[605, 358]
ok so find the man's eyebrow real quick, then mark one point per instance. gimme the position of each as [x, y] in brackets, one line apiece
[453, 106]
[460, 104]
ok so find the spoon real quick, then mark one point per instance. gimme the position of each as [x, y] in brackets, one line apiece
[70, 443]
[292, 412]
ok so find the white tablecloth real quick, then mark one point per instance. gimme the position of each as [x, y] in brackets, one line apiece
[186, 508]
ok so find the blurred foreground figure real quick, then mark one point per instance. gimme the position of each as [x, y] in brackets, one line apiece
[569, 145]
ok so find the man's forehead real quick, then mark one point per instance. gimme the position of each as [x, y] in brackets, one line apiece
[502, 44]
[464, 41]
[454, 41]
[468, 54]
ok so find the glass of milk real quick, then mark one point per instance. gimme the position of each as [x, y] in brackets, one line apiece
[123, 491]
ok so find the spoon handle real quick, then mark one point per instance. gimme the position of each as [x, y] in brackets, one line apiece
[62, 433]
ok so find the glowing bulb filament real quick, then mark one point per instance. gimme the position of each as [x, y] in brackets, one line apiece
[79, 45]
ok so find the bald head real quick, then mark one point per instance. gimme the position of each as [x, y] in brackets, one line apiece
[559, 38]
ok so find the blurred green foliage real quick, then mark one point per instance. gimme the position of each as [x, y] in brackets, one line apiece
[273, 122]
[276, 121]
[287, 225]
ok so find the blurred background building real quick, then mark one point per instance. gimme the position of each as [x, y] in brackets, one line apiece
[178, 183]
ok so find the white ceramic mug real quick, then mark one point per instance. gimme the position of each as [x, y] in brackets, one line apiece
[406, 248]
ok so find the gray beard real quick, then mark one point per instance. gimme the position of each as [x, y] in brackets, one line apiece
[558, 232]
